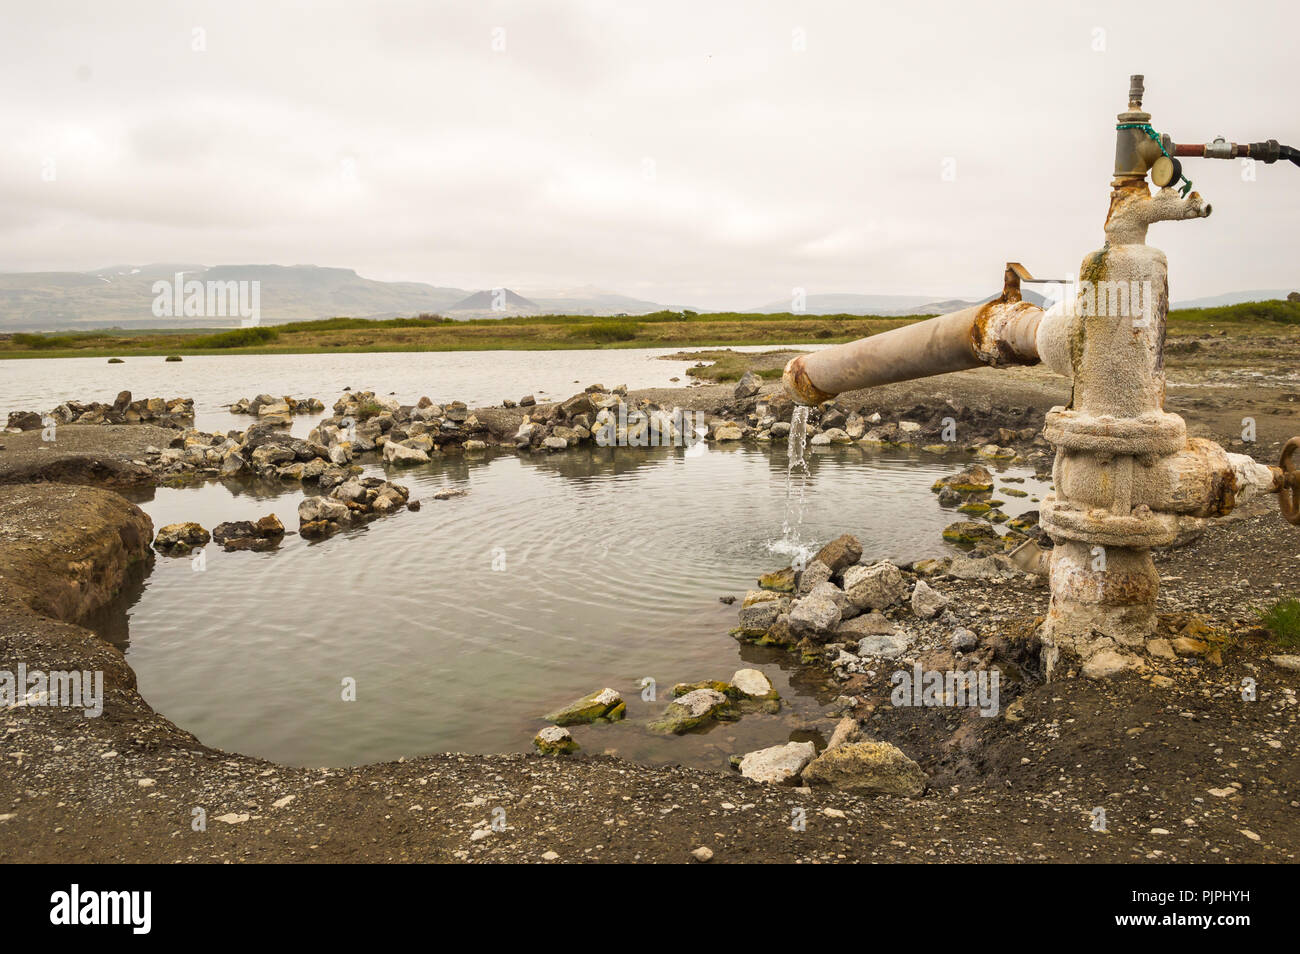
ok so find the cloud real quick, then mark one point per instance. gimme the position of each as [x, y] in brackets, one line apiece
[714, 155]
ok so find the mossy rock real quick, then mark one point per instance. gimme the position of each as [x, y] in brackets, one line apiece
[939, 449]
[692, 710]
[975, 479]
[930, 567]
[1023, 523]
[975, 507]
[1013, 492]
[604, 705]
[554, 740]
[996, 516]
[116, 361]
[717, 685]
[968, 532]
[173, 357]
[770, 705]
[778, 581]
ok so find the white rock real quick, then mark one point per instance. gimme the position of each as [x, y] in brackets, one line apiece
[927, 602]
[751, 682]
[400, 454]
[815, 615]
[779, 763]
[878, 587]
[1105, 664]
[886, 645]
[698, 702]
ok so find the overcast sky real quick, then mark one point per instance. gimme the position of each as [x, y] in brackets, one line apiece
[709, 154]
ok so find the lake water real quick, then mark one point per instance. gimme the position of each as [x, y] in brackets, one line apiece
[479, 378]
[463, 622]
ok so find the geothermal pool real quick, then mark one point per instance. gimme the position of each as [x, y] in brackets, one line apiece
[465, 621]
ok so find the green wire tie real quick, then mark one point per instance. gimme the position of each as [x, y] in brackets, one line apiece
[1146, 128]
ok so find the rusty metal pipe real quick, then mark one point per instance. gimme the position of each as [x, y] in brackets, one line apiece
[997, 333]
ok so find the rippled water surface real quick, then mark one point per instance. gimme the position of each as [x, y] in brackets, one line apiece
[464, 622]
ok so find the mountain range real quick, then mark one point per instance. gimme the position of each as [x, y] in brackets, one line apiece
[128, 297]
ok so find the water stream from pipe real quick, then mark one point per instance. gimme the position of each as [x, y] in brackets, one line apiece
[796, 482]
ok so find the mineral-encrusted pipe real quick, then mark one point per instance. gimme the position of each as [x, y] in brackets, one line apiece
[996, 333]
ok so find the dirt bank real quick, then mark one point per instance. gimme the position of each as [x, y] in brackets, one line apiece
[1186, 771]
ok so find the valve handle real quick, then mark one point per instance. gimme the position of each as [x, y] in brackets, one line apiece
[1288, 492]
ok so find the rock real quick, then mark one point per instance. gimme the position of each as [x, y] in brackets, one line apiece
[757, 618]
[1186, 646]
[449, 493]
[968, 568]
[927, 602]
[271, 455]
[265, 534]
[846, 730]
[753, 683]
[813, 574]
[748, 385]
[844, 551]
[1160, 648]
[555, 443]
[1106, 663]
[781, 581]
[760, 596]
[232, 465]
[1286, 661]
[728, 432]
[690, 710]
[869, 768]
[702, 854]
[969, 532]
[974, 479]
[886, 645]
[878, 586]
[931, 567]
[605, 705]
[527, 401]
[949, 497]
[555, 740]
[815, 616]
[181, 538]
[868, 624]
[314, 509]
[401, 455]
[24, 420]
[779, 763]
[963, 639]
[837, 596]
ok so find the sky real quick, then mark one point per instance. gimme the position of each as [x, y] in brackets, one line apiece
[708, 154]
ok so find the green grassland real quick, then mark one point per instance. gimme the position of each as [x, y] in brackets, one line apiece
[664, 329]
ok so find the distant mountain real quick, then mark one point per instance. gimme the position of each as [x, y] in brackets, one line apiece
[1234, 298]
[847, 304]
[885, 305]
[589, 300]
[123, 296]
[492, 303]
